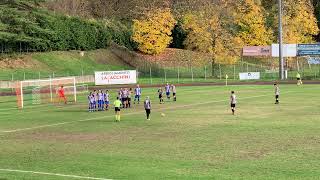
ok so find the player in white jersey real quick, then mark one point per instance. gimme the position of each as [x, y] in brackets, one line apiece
[125, 98]
[121, 96]
[174, 92]
[147, 107]
[129, 97]
[106, 99]
[91, 100]
[95, 96]
[167, 88]
[138, 93]
[100, 100]
[233, 102]
[277, 93]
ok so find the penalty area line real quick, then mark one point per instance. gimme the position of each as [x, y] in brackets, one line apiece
[137, 112]
[52, 174]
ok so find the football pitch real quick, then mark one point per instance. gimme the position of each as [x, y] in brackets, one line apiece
[198, 138]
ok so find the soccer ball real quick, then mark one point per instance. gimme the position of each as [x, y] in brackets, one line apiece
[163, 115]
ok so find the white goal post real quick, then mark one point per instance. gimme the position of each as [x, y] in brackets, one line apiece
[44, 90]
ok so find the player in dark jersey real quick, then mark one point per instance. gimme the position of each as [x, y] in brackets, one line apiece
[277, 93]
[160, 93]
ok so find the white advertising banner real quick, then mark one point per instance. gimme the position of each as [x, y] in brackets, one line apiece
[289, 50]
[115, 77]
[249, 75]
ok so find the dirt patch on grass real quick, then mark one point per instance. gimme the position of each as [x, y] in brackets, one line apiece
[20, 63]
[105, 56]
[71, 137]
[114, 136]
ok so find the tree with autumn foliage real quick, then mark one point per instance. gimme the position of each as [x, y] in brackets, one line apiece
[208, 31]
[299, 20]
[300, 23]
[153, 32]
[250, 20]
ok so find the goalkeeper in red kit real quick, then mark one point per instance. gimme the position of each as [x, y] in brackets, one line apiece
[62, 95]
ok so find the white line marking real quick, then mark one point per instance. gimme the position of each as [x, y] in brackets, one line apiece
[137, 112]
[52, 174]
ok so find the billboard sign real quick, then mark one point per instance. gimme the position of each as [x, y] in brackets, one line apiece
[289, 50]
[308, 49]
[115, 77]
[249, 75]
[256, 51]
[314, 60]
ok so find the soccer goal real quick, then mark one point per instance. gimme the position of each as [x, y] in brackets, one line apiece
[46, 91]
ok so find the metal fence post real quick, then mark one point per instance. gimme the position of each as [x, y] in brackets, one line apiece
[165, 75]
[220, 73]
[39, 75]
[12, 89]
[179, 74]
[137, 75]
[150, 75]
[234, 72]
[205, 72]
[192, 73]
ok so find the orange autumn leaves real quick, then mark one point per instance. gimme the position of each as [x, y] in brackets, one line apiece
[222, 28]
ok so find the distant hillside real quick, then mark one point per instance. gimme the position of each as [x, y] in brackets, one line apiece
[59, 63]
[115, 57]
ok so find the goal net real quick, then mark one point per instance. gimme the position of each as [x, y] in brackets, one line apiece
[46, 91]
[39, 95]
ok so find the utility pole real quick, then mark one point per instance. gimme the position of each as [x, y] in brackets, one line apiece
[281, 63]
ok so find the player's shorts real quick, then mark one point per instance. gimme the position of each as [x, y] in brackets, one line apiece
[148, 111]
[233, 105]
[168, 93]
[160, 96]
[117, 109]
[277, 96]
[62, 96]
[298, 79]
[129, 99]
[106, 102]
[137, 96]
[124, 99]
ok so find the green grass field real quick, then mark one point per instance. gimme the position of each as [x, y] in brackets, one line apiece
[197, 139]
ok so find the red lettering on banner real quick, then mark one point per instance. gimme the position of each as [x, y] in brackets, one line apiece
[120, 77]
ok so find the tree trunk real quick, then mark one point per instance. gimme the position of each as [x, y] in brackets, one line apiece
[213, 64]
